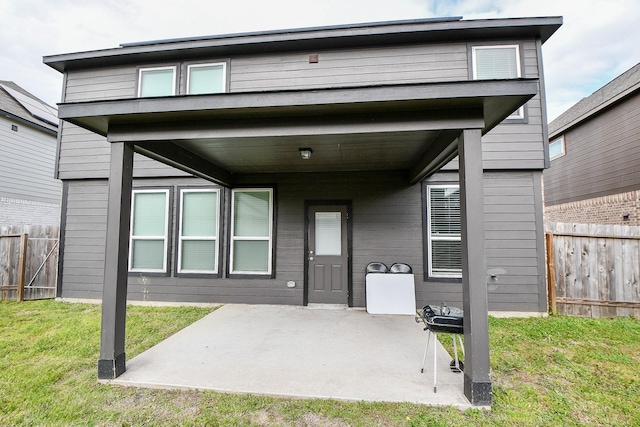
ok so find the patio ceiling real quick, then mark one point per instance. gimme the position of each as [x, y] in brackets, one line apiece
[410, 127]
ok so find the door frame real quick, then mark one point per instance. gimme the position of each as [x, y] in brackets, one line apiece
[307, 205]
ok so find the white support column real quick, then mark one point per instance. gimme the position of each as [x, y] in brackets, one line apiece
[114, 292]
[477, 384]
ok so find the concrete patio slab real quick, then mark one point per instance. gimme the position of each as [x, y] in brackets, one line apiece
[300, 352]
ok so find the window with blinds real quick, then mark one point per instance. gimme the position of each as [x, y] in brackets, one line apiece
[198, 231]
[443, 231]
[251, 231]
[149, 231]
[497, 63]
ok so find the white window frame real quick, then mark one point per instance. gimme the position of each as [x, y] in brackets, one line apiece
[208, 64]
[182, 238]
[561, 142]
[519, 113]
[165, 237]
[170, 67]
[268, 238]
[444, 275]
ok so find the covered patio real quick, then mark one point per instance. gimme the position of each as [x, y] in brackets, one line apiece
[227, 138]
[301, 352]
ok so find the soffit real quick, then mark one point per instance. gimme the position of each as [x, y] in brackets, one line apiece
[390, 127]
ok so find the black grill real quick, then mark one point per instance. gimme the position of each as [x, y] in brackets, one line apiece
[442, 319]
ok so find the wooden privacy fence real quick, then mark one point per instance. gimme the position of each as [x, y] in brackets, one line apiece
[594, 270]
[28, 262]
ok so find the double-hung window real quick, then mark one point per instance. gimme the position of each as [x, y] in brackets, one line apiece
[443, 231]
[496, 63]
[158, 81]
[149, 231]
[198, 231]
[251, 231]
[206, 78]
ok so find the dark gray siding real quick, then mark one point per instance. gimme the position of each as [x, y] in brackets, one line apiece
[84, 239]
[27, 161]
[84, 154]
[514, 145]
[350, 67]
[508, 146]
[514, 244]
[387, 227]
[111, 83]
[602, 156]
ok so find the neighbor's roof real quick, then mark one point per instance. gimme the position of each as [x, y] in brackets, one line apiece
[20, 105]
[341, 36]
[614, 91]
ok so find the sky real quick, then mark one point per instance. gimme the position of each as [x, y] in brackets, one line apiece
[599, 40]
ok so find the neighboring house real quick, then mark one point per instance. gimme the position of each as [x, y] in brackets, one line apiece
[273, 167]
[595, 157]
[29, 192]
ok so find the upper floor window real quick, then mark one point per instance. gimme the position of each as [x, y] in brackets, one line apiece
[198, 232]
[497, 62]
[444, 251]
[160, 81]
[251, 231]
[556, 148]
[206, 78]
[149, 231]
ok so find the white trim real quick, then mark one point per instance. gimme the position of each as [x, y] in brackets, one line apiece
[441, 274]
[142, 70]
[202, 238]
[268, 238]
[562, 146]
[209, 64]
[165, 238]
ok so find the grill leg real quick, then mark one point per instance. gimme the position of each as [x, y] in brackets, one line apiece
[455, 353]
[435, 342]
[424, 358]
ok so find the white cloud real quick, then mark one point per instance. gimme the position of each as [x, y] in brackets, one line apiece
[598, 41]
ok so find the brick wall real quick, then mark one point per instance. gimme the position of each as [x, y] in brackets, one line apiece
[27, 212]
[622, 208]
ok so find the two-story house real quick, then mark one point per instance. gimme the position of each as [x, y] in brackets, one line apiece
[272, 167]
[29, 192]
[595, 157]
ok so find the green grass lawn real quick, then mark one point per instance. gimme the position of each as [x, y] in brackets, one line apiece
[556, 371]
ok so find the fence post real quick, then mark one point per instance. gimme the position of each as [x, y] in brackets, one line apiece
[22, 266]
[551, 273]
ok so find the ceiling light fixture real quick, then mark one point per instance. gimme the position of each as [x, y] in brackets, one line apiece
[305, 153]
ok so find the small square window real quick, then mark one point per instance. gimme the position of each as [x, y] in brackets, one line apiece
[496, 62]
[556, 148]
[206, 78]
[159, 81]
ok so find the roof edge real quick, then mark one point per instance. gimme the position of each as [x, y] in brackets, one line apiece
[626, 91]
[315, 37]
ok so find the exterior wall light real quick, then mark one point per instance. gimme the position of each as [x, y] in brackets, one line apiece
[305, 153]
